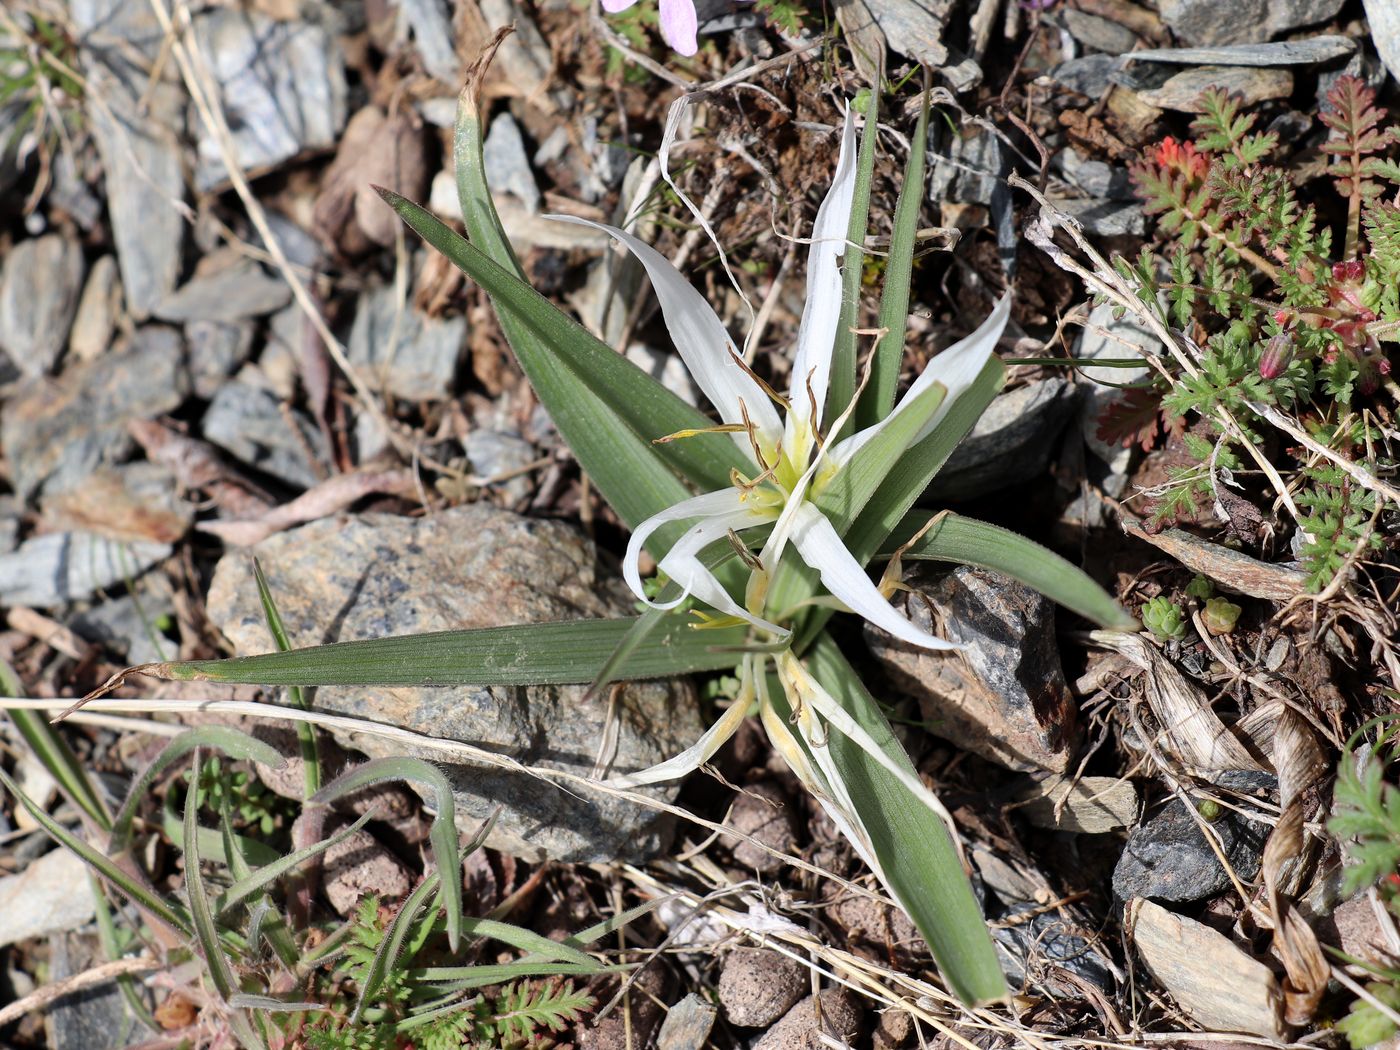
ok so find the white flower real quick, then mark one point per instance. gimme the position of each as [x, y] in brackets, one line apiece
[791, 464]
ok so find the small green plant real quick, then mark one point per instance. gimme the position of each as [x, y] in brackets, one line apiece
[240, 792]
[1287, 316]
[1364, 1025]
[1164, 618]
[1220, 615]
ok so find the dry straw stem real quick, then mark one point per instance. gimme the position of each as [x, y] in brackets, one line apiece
[1106, 281]
[98, 975]
[411, 742]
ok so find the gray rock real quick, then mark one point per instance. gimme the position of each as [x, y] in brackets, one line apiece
[39, 290]
[372, 575]
[763, 811]
[1097, 179]
[1284, 53]
[1168, 858]
[1105, 336]
[914, 28]
[688, 1024]
[431, 21]
[1011, 443]
[50, 895]
[493, 453]
[1383, 16]
[667, 369]
[96, 1018]
[47, 571]
[1099, 34]
[1183, 91]
[1242, 21]
[251, 424]
[1104, 218]
[216, 350]
[145, 187]
[1004, 696]
[507, 163]
[1091, 75]
[1047, 942]
[58, 431]
[420, 362]
[129, 626]
[9, 524]
[231, 287]
[966, 170]
[98, 308]
[757, 986]
[282, 86]
[803, 1028]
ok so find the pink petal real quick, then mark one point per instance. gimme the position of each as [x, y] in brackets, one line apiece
[678, 25]
[613, 6]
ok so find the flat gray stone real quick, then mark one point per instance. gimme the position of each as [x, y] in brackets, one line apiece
[47, 571]
[1090, 75]
[1284, 53]
[282, 85]
[374, 575]
[431, 21]
[56, 432]
[1242, 21]
[1098, 33]
[1004, 696]
[96, 1018]
[507, 163]
[493, 453]
[1010, 443]
[98, 307]
[1383, 16]
[251, 424]
[914, 28]
[1105, 336]
[129, 626]
[50, 895]
[216, 350]
[233, 288]
[420, 362]
[1252, 84]
[145, 187]
[1107, 218]
[39, 289]
[966, 170]
[1099, 180]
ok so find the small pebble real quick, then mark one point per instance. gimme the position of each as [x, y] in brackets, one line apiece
[757, 986]
[800, 1028]
[764, 811]
[359, 865]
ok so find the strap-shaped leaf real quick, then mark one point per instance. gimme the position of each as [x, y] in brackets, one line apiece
[913, 846]
[878, 397]
[594, 395]
[391, 948]
[569, 652]
[967, 541]
[306, 732]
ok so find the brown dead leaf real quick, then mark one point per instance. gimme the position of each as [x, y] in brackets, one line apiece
[198, 465]
[327, 498]
[376, 149]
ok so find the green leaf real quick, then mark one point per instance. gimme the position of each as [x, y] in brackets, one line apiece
[912, 844]
[124, 882]
[391, 948]
[277, 934]
[966, 541]
[878, 398]
[442, 834]
[842, 386]
[572, 651]
[607, 410]
[306, 732]
[230, 741]
[252, 881]
[54, 753]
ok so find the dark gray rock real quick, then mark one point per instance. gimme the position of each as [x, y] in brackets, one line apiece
[758, 985]
[129, 626]
[1168, 858]
[1004, 695]
[96, 1018]
[39, 289]
[372, 575]
[9, 524]
[216, 350]
[420, 362]
[1242, 21]
[1010, 444]
[1047, 942]
[58, 431]
[1096, 178]
[253, 426]
[282, 86]
[56, 568]
[228, 287]
[1105, 218]
[1099, 34]
[1090, 76]
[970, 171]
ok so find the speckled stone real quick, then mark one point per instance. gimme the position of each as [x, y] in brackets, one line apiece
[758, 986]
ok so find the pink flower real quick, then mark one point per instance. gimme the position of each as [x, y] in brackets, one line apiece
[678, 23]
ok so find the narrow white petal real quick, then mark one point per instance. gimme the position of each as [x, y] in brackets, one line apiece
[811, 364]
[958, 366]
[721, 503]
[700, 337]
[843, 576]
[690, 572]
[955, 368]
[693, 757]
